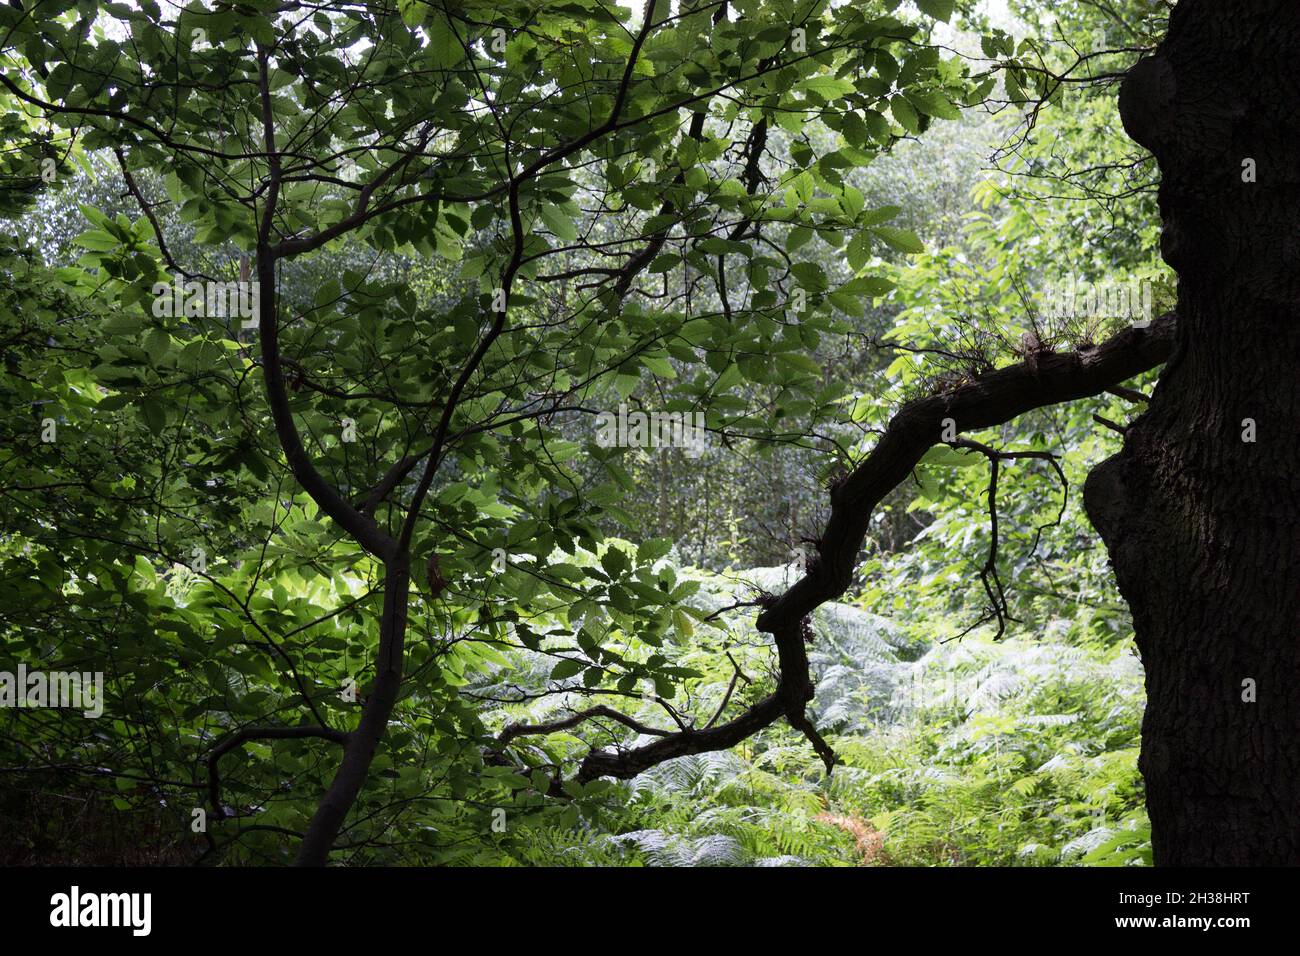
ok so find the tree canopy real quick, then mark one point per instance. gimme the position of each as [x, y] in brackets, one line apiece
[312, 313]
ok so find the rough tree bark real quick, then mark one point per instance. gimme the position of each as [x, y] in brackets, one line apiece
[1202, 524]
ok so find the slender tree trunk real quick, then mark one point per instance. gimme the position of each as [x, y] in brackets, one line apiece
[363, 742]
[1200, 511]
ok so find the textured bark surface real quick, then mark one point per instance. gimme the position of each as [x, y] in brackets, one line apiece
[1203, 527]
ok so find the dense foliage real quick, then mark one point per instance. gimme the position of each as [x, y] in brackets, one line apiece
[477, 227]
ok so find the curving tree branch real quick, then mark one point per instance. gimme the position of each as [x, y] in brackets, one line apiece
[994, 399]
[241, 737]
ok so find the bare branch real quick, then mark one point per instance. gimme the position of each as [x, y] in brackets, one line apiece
[567, 723]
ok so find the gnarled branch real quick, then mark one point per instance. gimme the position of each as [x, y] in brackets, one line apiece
[993, 399]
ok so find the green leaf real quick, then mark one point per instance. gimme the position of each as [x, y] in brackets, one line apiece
[867, 285]
[567, 668]
[803, 186]
[905, 113]
[939, 9]
[798, 237]
[827, 87]
[653, 549]
[614, 561]
[810, 276]
[156, 345]
[933, 104]
[154, 413]
[943, 455]
[412, 12]
[873, 216]
[659, 366]
[559, 223]
[904, 240]
[97, 240]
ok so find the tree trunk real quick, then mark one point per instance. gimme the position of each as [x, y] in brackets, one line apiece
[362, 743]
[1200, 511]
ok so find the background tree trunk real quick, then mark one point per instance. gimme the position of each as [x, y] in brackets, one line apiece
[1203, 527]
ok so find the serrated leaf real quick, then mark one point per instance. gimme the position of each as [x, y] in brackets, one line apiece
[559, 223]
[827, 87]
[567, 668]
[905, 113]
[156, 345]
[933, 104]
[904, 240]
